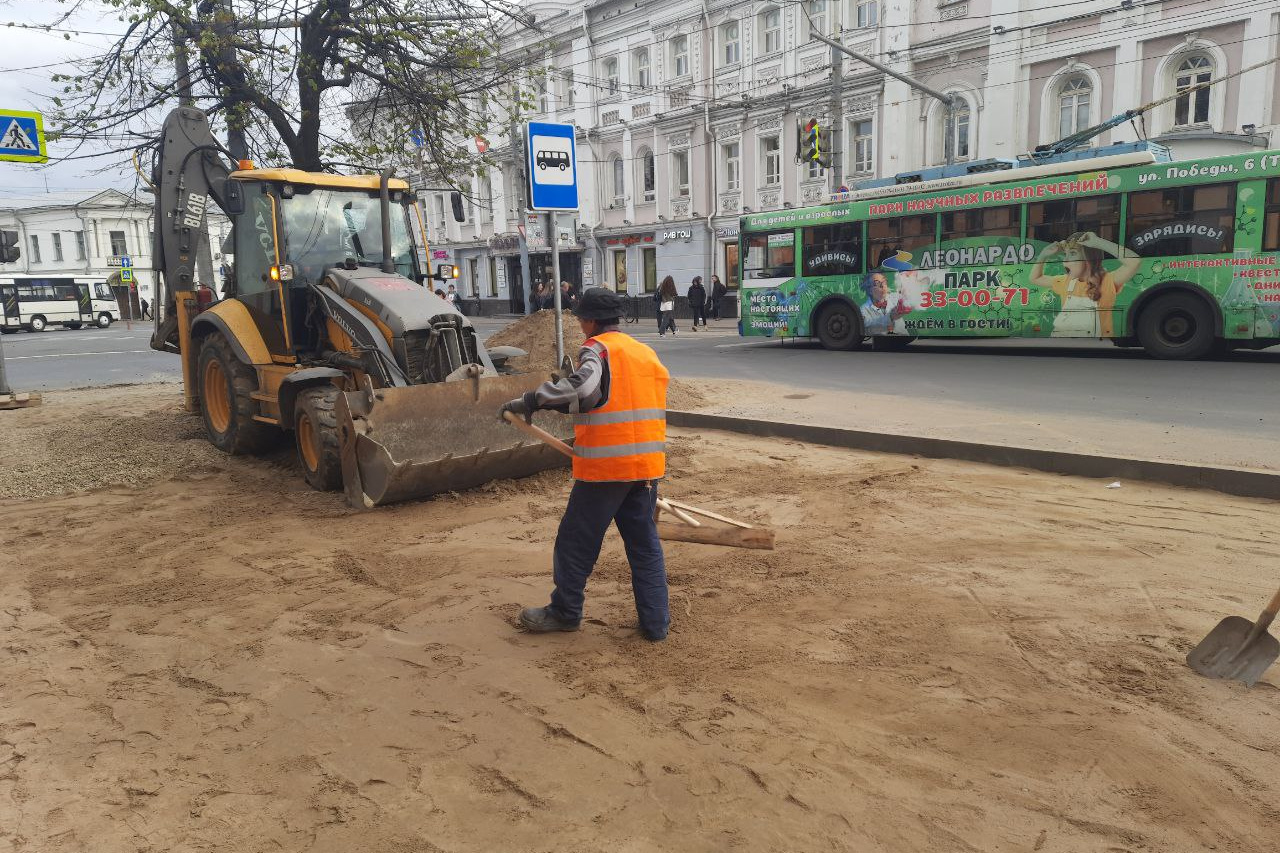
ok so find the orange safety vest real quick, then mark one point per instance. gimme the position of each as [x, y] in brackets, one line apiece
[625, 439]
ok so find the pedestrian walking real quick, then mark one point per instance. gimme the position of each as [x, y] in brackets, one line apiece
[698, 302]
[666, 301]
[620, 389]
[718, 290]
[539, 297]
[568, 299]
[146, 309]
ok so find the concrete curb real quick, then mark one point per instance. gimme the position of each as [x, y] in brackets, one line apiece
[1232, 481]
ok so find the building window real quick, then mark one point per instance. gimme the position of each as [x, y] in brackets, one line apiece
[732, 166]
[80, 246]
[35, 248]
[611, 75]
[486, 199]
[861, 146]
[680, 173]
[956, 130]
[866, 13]
[818, 17]
[118, 245]
[544, 102]
[437, 216]
[641, 59]
[731, 43]
[57, 246]
[619, 181]
[771, 27]
[813, 169]
[680, 56]
[1073, 105]
[648, 176]
[771, 160]
[493, 277]
[568, 88]
[1192, 107]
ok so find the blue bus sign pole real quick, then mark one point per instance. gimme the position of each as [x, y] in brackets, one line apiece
[551, 162]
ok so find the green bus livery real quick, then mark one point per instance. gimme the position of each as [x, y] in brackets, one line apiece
[1180, 258]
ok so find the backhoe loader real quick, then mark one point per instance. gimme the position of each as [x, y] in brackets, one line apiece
[327, 329]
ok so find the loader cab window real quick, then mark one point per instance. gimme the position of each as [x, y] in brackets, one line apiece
[325, 227]
[255, 240]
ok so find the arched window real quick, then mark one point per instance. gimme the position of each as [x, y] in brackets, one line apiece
[648, 176]
[730, 43]
[771, 31]
[817, 17]
[619, 180]
[611, 75]
[1192, 107]
[958, 130]
[1074, 97]
[640, 60]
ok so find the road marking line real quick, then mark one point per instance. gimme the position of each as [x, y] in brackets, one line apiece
[67, 354]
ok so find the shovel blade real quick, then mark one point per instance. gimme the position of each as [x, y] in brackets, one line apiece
[1223, 653]
[404, 443]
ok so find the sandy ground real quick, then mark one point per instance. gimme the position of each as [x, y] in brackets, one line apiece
[1107, 434]
[938, 657]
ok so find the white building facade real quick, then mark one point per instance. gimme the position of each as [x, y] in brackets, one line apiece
[688, 113]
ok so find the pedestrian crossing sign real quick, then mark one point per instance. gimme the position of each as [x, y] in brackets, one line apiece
[126, 274]
[22, 137]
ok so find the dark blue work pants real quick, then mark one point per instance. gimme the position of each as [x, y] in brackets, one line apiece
[586, 519]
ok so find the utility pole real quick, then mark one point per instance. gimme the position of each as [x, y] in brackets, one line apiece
[947, 100]
[837, 119]
[517, 154]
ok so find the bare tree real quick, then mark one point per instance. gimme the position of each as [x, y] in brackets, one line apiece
[294, 77]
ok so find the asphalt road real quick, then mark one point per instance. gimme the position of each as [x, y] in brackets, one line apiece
[60, 358]
[1236, 397]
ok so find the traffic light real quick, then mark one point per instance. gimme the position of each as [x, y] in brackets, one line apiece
[9, 251]
[811, 141]
[825, 147]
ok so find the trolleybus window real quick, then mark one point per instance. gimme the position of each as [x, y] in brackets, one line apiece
[833, 249]
[770, 255]
[1271, 232]
[1182, 221]
[886, 237]
[1053, 221]
[991, 222]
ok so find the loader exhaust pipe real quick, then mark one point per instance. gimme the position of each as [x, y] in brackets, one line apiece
[384, 203]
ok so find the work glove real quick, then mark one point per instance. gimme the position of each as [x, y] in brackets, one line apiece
[522, 406]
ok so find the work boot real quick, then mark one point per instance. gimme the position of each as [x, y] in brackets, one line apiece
[540, 620]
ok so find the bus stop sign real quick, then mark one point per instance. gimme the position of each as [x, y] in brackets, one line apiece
[552, 164]
[22, 137]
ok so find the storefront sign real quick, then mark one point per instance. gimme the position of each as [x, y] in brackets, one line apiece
[588, 272]
[439, 254]
[504, 242]
[677, 235]
[727, 232]
[629, 240]
[501, 269]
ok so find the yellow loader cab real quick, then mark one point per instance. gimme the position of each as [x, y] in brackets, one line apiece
[328, 328]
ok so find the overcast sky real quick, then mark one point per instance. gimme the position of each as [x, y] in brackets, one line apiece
[24, 85]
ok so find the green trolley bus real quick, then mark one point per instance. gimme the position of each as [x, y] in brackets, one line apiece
[1181, 258]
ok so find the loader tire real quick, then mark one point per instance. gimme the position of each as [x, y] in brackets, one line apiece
[315, 431]
[227, 385]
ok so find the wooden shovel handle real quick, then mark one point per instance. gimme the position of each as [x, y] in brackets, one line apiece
[1264, 621]
[538, 433]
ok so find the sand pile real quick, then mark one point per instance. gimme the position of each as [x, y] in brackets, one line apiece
[123, 436]
[536, 335]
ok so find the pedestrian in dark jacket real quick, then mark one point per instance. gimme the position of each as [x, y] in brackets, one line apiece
[718, 290]
[698, 302]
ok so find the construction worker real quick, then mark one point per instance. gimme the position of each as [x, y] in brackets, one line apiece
[618, 397]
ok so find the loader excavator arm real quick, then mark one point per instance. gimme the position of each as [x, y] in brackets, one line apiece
[191, 169]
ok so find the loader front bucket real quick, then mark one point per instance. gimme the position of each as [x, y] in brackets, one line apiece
[404, 443]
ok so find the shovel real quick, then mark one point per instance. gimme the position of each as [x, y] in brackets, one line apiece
[1238, 648]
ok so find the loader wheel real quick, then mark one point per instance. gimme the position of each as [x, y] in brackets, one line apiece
[315, 428]
[226, 388]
